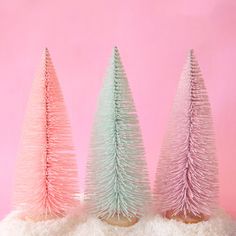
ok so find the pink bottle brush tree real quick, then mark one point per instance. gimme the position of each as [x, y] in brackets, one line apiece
[187, 175]
[46, 181]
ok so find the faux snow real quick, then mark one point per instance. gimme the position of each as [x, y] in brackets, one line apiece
[13, 226]
[220, 225]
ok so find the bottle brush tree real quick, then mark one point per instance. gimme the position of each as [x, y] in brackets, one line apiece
[46, 180]
[187, 174]
[117, 181]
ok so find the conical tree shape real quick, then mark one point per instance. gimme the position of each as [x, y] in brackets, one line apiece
[46, 181]
[187, 174]
[117, 183]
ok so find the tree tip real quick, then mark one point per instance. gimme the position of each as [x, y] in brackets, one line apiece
[115, 50]
[46, 60]
[46, 52]
[46, 57]
[115, 54]
[191, 52]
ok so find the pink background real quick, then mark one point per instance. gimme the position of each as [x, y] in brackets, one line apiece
[153, 37]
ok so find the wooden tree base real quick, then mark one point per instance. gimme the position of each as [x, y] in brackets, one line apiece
[190, 218]
[121, 221]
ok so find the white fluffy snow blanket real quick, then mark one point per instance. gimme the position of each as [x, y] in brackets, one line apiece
[13, 226]
[220, 225]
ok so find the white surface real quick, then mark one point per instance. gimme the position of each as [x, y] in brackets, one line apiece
[13, 226]
[221, 225]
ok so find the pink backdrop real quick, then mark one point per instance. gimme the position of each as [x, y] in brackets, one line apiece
[153, 37]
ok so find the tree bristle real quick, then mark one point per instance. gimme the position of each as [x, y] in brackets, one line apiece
[187, 174]
[117, 182]
[46, 181]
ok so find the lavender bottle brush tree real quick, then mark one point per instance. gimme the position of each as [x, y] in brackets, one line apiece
[187, 174]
